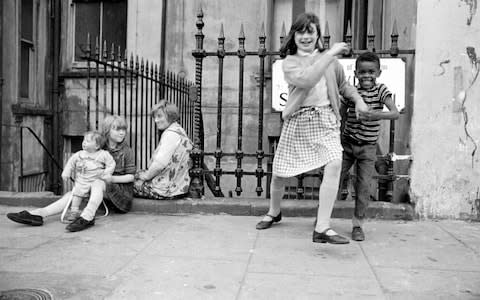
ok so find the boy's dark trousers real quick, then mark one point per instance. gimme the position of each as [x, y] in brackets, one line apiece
[364, 155]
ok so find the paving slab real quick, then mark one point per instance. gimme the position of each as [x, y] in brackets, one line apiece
[418, 245]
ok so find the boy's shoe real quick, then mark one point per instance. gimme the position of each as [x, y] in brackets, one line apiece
[80, 224]
[72, 215]
[357, 234]
[24, 217]
[343, 194]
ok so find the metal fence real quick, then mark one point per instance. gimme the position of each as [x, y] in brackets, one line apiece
[300, 191]
[129, 87]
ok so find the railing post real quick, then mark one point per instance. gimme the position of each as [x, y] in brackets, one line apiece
[241, 53]
[21, 159]
[390, 171]
[326, 37]
[371, 38]
[196, 173]
[218, 151]
[259, 172]
[89, 97]
[348, 40]
[282, 38]
[394, 36]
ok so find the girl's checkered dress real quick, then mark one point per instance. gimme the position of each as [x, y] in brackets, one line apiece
[310, 139]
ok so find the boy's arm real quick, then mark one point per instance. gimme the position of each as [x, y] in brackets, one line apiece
[391, 114]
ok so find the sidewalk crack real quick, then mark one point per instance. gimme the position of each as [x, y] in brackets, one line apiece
[377, 278]
[459, 240]
[242, 282]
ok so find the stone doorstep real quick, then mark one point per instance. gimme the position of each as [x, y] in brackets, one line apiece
[231, 206]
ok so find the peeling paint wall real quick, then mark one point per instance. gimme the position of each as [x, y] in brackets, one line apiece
[445, 174]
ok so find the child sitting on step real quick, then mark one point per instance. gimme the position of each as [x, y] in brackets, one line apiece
[86, 166]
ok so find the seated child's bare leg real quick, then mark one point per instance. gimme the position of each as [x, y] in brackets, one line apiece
[75, 206]
[53, 208]
[96, 198]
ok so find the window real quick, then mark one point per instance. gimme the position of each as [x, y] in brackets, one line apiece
[26, 46]
[106, 20]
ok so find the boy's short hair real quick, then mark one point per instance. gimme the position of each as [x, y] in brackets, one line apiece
[170, 110]
[368, 56]
[97, 137]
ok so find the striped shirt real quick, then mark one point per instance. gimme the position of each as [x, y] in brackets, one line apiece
[366, 131]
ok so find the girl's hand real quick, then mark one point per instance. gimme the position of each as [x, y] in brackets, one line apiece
[338, 48]
[107, 178]
[361, 109]
[65, 177]
[142, 176]
[369, 116]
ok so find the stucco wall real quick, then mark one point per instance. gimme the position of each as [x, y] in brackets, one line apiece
[445, 176]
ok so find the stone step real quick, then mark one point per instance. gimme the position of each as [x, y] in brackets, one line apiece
[231, 206]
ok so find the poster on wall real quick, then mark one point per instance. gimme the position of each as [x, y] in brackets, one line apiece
[393, 76]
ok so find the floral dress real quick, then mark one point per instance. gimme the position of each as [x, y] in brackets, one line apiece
[173, 181]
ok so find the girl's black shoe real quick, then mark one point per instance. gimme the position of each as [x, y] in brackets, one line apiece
[323, 237]
[267, 224]
[24, 217]
[80, 224]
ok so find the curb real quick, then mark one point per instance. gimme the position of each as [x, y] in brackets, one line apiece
[231, 206]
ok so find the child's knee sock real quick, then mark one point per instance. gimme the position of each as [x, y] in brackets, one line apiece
[327, 196]
[277, 187]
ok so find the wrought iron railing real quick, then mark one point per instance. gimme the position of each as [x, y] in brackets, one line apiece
[260, 155]
[130, 86]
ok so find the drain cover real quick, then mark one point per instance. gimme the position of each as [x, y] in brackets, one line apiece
[25, 294]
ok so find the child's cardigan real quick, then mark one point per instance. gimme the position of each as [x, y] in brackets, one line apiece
[302, 73]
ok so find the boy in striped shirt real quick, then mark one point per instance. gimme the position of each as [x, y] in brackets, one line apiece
[359, 136]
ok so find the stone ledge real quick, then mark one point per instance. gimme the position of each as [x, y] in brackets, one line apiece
[231, 206]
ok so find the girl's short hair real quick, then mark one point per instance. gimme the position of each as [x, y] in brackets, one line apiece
[301, 24]
[113, 121]
[97, 137]
[169, 109]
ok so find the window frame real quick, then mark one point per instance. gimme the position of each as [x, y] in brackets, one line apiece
[24, 43]
[71, 45]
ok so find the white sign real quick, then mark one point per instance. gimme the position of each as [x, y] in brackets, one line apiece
[393, 76]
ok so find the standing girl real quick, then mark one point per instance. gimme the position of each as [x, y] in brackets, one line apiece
[116, 190]
[310, 135]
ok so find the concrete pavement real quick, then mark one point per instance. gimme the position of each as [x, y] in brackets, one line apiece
[196, 256]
